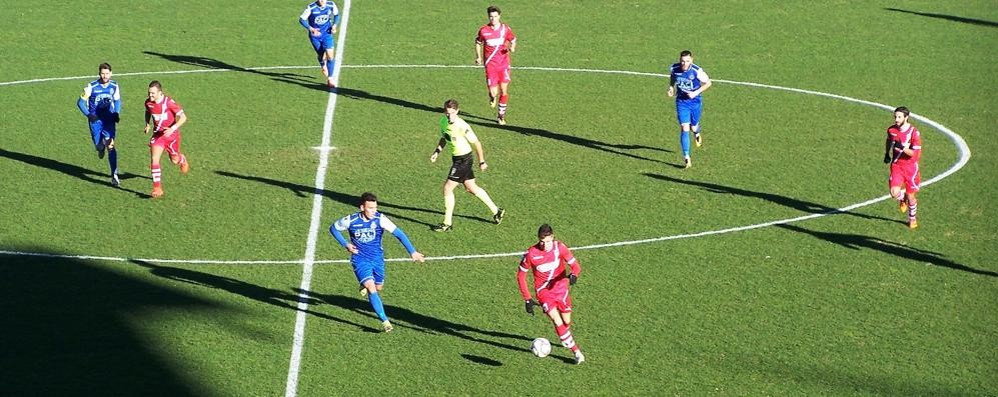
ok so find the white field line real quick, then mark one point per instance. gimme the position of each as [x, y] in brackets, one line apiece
[961, 145]
[294, 367]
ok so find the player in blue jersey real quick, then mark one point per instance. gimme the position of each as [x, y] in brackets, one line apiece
[101, 103]
[367, 255]
[320, 19]
[687, 82]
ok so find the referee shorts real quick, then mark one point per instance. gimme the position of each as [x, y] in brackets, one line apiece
[460, 169]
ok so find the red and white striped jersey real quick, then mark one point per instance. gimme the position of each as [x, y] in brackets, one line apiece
[494, 42]
[164, 113]
[910, 137]
[548, 267]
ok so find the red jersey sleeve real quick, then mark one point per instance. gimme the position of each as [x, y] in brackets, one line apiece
[916, 144]
[521, 277]
[510, 36]
[569, 258]
[173, 107]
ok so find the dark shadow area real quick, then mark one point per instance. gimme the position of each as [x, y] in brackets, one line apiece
[972, 21]
[856, 242]
[405, 318]
[800, 205]
[351, 200]
[481, 360]
[270, 296]
[103, 179]
[68, 330]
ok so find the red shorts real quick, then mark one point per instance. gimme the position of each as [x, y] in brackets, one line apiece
[556, 297]
[905, 175]
[171, 144]
[496, 75]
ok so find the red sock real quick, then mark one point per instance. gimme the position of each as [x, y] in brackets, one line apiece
[155, 175]
[503, 100]
[566, 337]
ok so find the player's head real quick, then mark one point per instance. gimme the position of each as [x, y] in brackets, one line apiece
[901, 115]
[685, 60]
[451, 107]
[368, 204]
[545, 237]
[104, 72]
[494, 13]
[155, 91]
[322, 3]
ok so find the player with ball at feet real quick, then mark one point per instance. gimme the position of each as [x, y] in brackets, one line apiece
[548, 258]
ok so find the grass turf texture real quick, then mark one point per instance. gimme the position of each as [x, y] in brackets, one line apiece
[850, 304]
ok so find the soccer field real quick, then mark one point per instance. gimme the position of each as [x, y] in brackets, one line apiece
[776, 265]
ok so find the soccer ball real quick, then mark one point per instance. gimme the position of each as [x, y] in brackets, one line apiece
[540, 347]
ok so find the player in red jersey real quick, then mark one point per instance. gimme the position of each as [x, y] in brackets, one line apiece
[491, 44]
[548, 258]
[164, 117]
[903, 151]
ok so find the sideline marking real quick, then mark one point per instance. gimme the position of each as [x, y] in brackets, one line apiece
[961, 145]
[294, 367]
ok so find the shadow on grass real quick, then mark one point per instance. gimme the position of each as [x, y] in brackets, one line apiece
[212, 63]
[74, 171]
[405, 318]
[343, 198]
[270, 296]
[481, 360]
[954, 18]
[69, 329]
[800, 205]
[856, 242]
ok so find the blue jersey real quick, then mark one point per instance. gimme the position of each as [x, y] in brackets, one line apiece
[687, 81]
[321, 18]
[365, 234]
[102, 100]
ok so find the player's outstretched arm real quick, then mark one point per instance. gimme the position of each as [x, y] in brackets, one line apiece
[400, 235]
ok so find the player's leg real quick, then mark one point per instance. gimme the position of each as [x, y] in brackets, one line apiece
[330, 65]
[503, 95]
[492, 84]
[320, 54]
[96, 135]
[497, 213]
[176, 157]
[695, 113]
[365, 277]
[112, 152]
[912, 181]
[684, 116]
[565, 308]
[449, 203]
[156, 149]
[550, 304]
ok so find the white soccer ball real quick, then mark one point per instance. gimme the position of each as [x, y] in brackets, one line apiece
[540, 347]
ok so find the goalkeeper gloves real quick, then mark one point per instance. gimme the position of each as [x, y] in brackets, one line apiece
[887, 157]
[529, 306]
[572, 278]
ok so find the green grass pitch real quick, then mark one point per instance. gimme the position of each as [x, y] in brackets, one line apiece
[121, 303]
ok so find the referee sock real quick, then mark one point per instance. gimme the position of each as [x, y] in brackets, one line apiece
[484, 196]
[378, 306]
[684, 142]
[449, 209]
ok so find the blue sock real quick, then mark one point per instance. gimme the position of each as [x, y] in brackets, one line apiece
[330, 64]
[379, 307]
[684, 141]
[112, 160]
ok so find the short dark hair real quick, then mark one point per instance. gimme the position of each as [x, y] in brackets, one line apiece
[685, 53]
[544, 231]
[155, 83]
[368, 196]
[103, 66]
[450, 104]
[904, 110]
[492, 9]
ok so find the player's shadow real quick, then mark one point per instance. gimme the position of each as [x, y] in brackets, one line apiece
[72, 170]
[212, 63]
[406, 318]
[954, 18]
[798, 204]
[481, 360]
[304, 191]
[270, 296]
[614, 148]
[856, 242]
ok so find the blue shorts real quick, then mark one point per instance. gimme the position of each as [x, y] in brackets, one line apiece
[369, 271]
[688, 112]
[102, 129]
[322, 43]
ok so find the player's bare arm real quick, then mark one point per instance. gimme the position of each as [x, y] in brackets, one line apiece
[181, 119]
[436, 151]
[478, 52]
[352, 248]
[481, 156]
